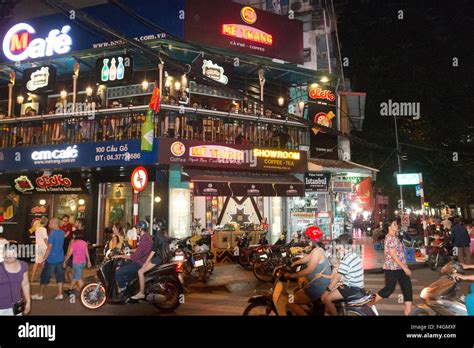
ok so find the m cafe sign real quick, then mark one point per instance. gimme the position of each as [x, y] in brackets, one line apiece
[20, 43]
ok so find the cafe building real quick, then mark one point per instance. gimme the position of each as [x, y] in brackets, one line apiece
[222, 149]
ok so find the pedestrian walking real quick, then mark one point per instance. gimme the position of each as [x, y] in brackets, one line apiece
[79, 251]
[14, 284]
[395, 267]
[462, 241]
[41, 245]
[54, 259]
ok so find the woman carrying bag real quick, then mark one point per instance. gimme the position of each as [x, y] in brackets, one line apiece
[14, 281]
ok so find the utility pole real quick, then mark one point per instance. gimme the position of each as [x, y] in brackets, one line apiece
[399, 163]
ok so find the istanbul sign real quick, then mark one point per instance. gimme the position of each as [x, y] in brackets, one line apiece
[18, 44]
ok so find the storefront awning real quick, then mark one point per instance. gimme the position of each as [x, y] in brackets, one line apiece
[211, 183]
[340, 167]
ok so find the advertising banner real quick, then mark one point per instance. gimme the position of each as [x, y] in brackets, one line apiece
[243, 157]
[62, 156]
[317, 182]
[235, 27]
[48, 183]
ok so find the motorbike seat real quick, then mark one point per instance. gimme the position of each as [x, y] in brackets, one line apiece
[353, 298]
[159, 267]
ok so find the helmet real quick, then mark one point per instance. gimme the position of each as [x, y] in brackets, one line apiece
[142, 225]
[314, 233]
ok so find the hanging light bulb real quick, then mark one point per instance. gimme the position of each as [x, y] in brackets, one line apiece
[177, 86]
[63, 94]
[168, 81]
[20, 99]
[88, 91]
[281, 101]
[145, 85]
[324, 79]
[301, 104]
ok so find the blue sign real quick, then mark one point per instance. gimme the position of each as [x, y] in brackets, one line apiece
[47, 36]
[82, 155]
[417, 188]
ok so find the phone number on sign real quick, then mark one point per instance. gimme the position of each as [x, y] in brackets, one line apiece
[118, 157]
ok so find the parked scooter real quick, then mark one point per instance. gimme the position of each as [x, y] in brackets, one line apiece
[441, 297]
[357, 305]
[247, 254]
[441, 252]
[163, 289]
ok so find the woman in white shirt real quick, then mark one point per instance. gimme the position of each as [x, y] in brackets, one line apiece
[41, 244]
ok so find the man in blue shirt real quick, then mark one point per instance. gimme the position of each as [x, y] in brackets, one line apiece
[461, 240]
[54, 259]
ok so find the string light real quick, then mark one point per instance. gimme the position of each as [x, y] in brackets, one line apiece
[145, 85]
[88, 91]
[63, 94]
[20, 99]
[281, 101]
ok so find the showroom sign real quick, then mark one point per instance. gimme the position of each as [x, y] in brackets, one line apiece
[244, 157]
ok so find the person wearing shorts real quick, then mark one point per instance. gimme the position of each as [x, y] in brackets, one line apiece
[79, 251]
[54, 259]
[41, 245]
[350, 275]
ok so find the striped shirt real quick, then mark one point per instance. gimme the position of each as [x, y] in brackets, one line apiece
[351, 269]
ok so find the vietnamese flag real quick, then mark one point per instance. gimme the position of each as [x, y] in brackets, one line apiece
[155, 100]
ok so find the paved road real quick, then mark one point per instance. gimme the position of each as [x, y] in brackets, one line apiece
[226, 293]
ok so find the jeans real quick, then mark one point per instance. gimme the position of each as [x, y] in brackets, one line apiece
[126, 273]
[77, 269]
[48, 270]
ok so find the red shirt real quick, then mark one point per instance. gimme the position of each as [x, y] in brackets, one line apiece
[67, 228]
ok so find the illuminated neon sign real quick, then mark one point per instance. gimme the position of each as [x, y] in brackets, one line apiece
[277, 154]
[247, 33]
[248, 15]
[18, 44]
[215, 151]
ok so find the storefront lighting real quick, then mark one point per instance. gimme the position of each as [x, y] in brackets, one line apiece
[177, 86]
[168, 81]
[63, 94]
[314, 85]
[301, 104]
[20, 99]
[42, 202]
[324, 79]
[81, 202]
[88, 91]
[281, 101]
[157, 199]
[145, 85]
[73, 208]
[184, 80]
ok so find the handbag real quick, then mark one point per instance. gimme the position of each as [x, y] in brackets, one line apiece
[18, 307]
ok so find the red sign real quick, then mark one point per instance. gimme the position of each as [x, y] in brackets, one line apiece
[139, 179]
[39, 210]
[56, 180]
[317, 92]
[234, 27]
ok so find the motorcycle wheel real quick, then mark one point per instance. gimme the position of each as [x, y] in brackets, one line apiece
[363, 311]
[203, 273]
[432, 264]
[257, 309]
[243, 260]
[263, 271]
[419, 312]
[210, 266]
[173, 293]
[92, 299]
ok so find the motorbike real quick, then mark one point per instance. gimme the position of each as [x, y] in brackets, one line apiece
[163, 288]
[203, 258]
[247, 254]
[440, 253]
[356, 305]
[273, 257]
[441, 297]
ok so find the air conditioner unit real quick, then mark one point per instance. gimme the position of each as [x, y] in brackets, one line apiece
[300, 6]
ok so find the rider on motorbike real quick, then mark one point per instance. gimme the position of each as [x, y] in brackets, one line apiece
[125, 273]
[349, 278]
[470, 297]
[159, 254]
[317, 272]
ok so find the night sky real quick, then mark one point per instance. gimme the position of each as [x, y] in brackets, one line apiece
[411, 60]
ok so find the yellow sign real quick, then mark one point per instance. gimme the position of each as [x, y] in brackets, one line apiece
[277, 154]
[426, 204]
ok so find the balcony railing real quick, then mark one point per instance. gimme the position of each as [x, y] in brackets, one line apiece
[172, 121]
